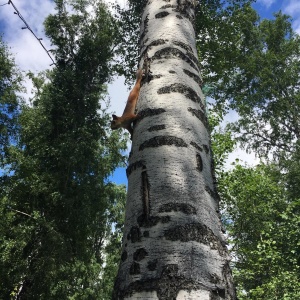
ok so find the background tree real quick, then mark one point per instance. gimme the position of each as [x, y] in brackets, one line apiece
[260, 81]
[56, 197]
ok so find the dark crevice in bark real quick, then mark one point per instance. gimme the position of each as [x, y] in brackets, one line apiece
[199, 162]
[194, 76]
[140, 254]
[132, 167]
[146, 234]
[182, 89]
[134, 235]
[195, 232]
[145, 193]
[149, 112]
[172, 72]
[161, 14]
[159, 141]
[200, 115]
[170, 53]
[157, 127]
[181, 207]
[196, 146]
[179, 17]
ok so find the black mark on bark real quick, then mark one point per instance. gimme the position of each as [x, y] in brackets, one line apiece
[196, 146]
[151, 221]
[134, 269]
[157, 127]
[199, 162]
[140, 254]
[182, 207]
[132, 167]
[200, 115]
[186, 47]
[169, 53]
[206, 148]
[149, 112]
[168, 6]
[159, 141]
[145, 193]
[172, 72]
[179, 17]
[182, 89]
[134, 235]
[195, 232]
[152, 265]
[146, 234]
[194, 76]
[161, 14]
[146, 21]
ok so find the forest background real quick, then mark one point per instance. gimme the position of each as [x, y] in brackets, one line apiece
[255, 109]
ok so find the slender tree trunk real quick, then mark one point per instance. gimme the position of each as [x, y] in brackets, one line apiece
[173, 247]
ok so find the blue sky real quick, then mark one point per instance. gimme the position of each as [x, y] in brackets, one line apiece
[29, 55]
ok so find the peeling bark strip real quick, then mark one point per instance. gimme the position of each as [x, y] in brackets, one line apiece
[169, 53]
[145, 193]
[181, 207]
[200, 115]
[163, 141]
[195, 232]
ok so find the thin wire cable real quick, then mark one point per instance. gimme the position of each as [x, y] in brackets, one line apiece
[4, 4]
[28, 27]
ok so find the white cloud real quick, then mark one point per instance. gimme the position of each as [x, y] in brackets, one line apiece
[266, 3]
[293, 9]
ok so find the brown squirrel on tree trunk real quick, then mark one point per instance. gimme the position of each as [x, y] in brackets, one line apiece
[128, 115]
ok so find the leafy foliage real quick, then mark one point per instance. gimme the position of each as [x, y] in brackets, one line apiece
[259, 79]
[264, 231]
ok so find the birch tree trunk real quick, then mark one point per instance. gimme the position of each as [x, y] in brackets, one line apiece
[173, 247]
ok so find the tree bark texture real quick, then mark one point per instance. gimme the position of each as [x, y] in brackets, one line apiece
[173, 246]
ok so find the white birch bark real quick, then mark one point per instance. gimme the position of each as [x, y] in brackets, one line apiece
[173, 247]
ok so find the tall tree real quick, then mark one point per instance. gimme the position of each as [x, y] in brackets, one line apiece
[173, 246]
[55, 196]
